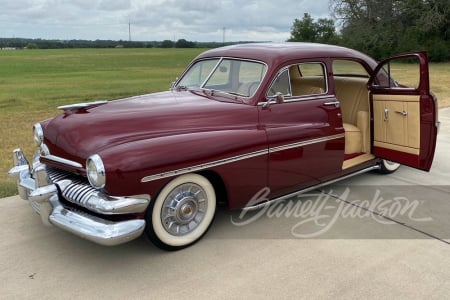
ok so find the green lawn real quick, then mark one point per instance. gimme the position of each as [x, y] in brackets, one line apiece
[34, 82]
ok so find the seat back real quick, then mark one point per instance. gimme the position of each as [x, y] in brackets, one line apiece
[353, 96]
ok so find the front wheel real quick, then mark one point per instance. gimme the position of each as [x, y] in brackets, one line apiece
[182, 212]
[388, 167]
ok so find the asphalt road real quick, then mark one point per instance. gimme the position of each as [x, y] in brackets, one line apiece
[370, 236]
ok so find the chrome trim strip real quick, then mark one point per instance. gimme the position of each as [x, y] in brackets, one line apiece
[306, 143]
[270, 202]
[239, 157]
[299, 99]
[63, 161]
[204, 166]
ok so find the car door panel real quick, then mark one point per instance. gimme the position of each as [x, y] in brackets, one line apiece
[398, 122]
[306, 143]
[404, 118]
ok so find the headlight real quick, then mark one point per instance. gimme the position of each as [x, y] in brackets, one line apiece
[96, 171]
[38, 134]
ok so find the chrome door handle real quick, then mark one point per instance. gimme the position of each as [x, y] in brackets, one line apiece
[335, 103]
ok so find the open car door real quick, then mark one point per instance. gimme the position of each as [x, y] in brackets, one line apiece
[404, 123]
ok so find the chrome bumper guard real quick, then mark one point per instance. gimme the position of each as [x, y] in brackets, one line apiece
[42, 191]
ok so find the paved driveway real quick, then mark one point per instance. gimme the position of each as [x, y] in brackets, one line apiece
[370, 236]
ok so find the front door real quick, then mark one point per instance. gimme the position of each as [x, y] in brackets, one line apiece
[304, 129]
[404, 111]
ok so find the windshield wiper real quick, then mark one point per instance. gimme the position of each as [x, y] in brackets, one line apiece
[235, 94]
[229, 95]
[180, 88]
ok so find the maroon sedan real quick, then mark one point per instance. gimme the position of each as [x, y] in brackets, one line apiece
[286, 118]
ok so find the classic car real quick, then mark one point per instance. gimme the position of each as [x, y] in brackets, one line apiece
[290, 117]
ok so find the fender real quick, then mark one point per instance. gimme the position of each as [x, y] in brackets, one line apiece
[228, 153]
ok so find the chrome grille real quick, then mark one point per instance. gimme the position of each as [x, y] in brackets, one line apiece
[78, 191]
[56, 175]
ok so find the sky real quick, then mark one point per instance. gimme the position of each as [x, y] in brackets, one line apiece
[156, 20]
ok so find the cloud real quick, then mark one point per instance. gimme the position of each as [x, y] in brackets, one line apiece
[195, 20]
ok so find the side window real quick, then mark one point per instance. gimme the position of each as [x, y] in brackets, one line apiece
[280, 85]
[305, 79]
[401, 73]
[308, 79]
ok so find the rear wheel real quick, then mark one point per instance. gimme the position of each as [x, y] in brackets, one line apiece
[388, 167]
[182, 212]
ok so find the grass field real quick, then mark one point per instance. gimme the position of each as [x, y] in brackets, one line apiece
[33, 83]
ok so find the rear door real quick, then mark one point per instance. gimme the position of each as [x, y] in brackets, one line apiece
[404, 111]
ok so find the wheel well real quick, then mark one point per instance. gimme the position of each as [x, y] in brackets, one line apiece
[219, 186]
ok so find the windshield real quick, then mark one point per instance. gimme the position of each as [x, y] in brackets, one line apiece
[232, 76]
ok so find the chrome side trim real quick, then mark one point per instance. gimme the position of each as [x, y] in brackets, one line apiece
[306, 143]
[272, 201]
[204, 166]
[63, 161]
[238, 158]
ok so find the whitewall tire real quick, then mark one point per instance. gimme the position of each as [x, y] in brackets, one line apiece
[388, 167]
[182, 212]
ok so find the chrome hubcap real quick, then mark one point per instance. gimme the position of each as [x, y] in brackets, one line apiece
[184, 209]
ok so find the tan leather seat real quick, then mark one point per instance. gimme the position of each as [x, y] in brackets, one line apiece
[353, 96]
[353, 139]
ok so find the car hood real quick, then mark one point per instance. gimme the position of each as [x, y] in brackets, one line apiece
[79, 133]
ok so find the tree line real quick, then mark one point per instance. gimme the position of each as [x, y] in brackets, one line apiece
[23, 43]
[382, 28]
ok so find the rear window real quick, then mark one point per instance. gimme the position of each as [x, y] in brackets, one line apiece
[349, 68]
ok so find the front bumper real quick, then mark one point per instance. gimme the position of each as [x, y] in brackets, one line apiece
[43, 188]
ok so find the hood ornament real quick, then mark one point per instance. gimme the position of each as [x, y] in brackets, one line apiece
[81, 106]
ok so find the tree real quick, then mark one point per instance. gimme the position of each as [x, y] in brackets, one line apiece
[182, 43]
[167, 44]
[383, 27]
[308, 30]
[31, 46]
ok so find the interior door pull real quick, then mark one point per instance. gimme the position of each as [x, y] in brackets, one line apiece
[403, 113]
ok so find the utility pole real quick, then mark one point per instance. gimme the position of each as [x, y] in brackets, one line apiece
[223, 35]
[129, 31]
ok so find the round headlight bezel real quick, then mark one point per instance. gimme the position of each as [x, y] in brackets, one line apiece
[95, 171]
[38, 134]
